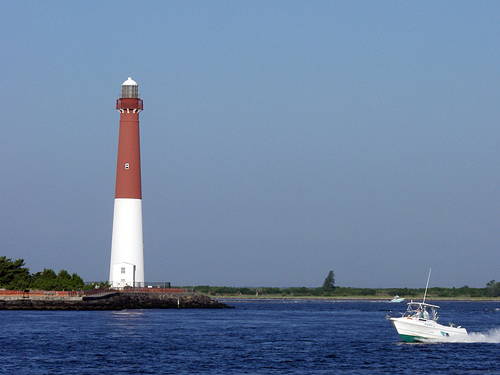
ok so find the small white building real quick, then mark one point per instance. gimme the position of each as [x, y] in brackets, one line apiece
[123, 274]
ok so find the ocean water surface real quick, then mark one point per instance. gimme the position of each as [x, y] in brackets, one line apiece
[275, 337]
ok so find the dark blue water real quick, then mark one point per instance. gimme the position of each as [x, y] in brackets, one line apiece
[253, 338]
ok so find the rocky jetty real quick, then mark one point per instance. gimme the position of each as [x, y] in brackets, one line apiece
[115, 301]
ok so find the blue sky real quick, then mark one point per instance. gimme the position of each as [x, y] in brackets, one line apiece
[279, 140]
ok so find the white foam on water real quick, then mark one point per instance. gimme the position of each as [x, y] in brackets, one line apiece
[491, 336]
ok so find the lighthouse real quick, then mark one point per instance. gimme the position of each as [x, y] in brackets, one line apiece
[127, 249]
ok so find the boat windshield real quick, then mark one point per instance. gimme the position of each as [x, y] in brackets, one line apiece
[421, 311]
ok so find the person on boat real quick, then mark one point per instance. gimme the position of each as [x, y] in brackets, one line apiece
[425, 314]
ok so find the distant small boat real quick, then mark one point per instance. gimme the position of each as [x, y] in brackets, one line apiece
[397, 299]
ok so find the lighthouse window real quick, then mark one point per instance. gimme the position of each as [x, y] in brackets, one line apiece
[123, 269]
[127, 165]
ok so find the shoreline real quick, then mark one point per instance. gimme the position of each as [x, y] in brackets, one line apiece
[114, 301]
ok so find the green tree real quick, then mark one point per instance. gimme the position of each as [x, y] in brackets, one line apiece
[76, 282]
[13, 274]
[493, 289]
[46, 280]
[329, 283]
[64, 280]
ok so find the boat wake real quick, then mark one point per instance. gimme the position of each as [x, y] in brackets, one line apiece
[491, 336]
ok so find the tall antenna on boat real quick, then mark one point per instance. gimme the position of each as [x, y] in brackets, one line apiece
[428, 277]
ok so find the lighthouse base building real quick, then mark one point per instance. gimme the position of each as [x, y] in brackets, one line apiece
[127, 253]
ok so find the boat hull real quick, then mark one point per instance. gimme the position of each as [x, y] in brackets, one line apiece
[412, 329]
[397, 300]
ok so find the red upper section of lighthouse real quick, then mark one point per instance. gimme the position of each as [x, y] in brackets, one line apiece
[128, 170]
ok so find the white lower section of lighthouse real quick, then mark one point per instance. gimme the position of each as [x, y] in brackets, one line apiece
[127, 247]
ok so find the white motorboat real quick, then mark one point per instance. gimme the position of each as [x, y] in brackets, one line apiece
[397, 299]
[419, 323]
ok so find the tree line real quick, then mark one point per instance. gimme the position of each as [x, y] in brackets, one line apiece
[284, 292]
[329, 289]
[464, 292]
[15, 276]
